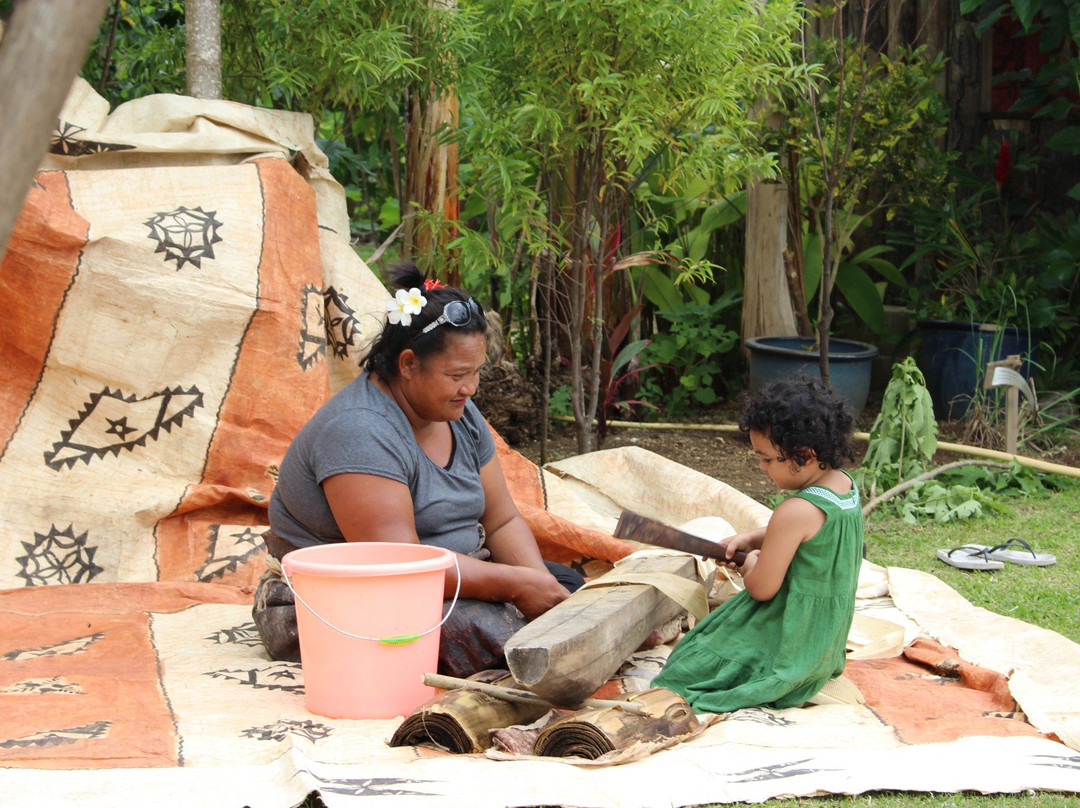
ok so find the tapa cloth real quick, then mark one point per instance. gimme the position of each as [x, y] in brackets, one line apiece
[179, 295]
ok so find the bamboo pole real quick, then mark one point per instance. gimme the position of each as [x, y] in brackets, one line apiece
[943, 446]
[520, 696]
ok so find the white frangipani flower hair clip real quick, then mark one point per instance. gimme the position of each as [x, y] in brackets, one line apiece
[404, 304]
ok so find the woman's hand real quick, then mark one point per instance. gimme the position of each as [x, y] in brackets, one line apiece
[371, 508]
[537, 592]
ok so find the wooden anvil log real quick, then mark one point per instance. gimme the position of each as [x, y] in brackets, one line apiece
[567, 653]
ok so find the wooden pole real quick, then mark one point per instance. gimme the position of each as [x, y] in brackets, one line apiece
[1012, 398]
[44, 46]
[1012, 418]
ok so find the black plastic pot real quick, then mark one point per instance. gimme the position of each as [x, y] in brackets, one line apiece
[953, 357]
[776, 358]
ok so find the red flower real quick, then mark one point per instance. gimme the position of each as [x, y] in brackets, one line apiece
[1004, 163]
[432, 283]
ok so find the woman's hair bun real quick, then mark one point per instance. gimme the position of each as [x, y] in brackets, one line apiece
[406, 275]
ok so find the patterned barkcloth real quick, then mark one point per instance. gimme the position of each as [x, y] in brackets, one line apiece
[179, 295]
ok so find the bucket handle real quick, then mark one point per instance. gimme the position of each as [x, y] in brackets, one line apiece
[401, 639]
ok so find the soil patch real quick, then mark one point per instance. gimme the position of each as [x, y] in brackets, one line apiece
[513, 406]
[724, 456]
[728, 456]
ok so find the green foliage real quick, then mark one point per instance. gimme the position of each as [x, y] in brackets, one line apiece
[138, 51]
[861, 136]
[559, 403]
[897, 117]
[902, 444]
[361, 159]
[903, 438]
[581, 102]
[629, 84]
[1033, 594]
[689, 348]
[944, 503]
[359, 55]
[690, 229]
[1001, 249]
[1052, 88]
[985, 254]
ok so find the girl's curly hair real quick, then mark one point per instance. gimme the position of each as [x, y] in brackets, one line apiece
[382, 357]
[800, 414]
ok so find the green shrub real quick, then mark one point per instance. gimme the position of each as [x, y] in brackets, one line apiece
[690, 352]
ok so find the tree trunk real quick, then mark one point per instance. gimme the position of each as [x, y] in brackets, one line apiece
[767, 309]
[431, 174]
[41, 51]
[202, 22]
[829, 265]
[431, 169]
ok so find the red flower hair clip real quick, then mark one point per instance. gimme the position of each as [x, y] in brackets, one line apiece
[432, 283]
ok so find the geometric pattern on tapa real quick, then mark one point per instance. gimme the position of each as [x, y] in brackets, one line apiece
[185, 235]
[275, 676]
[312, 327]
[38, 687]
[280, 730]
[65, 141]
[73, 646]
[342, 325]
[243, 634]
[58, 557]
[111, 421]
[230, 547]
[58, 737]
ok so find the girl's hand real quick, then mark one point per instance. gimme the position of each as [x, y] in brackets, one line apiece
[744, 542]
[793, 522]
[750, 562]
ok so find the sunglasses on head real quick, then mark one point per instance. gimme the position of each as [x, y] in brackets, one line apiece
[457, 312]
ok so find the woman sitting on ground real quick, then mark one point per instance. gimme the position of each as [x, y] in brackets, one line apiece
[402, 455]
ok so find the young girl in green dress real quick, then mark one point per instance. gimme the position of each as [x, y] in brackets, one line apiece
[776, 643]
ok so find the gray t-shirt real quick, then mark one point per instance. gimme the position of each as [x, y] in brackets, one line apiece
[362, 430]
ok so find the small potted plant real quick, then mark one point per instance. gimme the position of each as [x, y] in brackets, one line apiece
[858, 138]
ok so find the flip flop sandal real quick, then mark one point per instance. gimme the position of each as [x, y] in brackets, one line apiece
[969, 557]
[1025, 557]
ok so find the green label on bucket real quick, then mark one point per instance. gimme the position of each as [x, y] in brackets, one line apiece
[403, 639]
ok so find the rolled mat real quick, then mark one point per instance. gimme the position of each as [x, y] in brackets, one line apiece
[594, 732]
[460, 720]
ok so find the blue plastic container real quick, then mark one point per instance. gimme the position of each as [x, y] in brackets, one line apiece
[776, 358]
[953, 357]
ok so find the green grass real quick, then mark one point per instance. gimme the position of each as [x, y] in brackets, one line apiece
[1044, 596]
[906, 799]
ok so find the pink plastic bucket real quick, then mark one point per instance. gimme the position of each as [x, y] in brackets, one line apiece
[368, 614]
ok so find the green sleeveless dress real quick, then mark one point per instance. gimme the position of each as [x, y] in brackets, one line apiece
[779, 652]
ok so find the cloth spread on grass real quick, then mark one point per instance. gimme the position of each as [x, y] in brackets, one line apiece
[179, 297]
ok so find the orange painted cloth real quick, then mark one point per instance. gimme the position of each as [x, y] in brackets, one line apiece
[930, 695]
